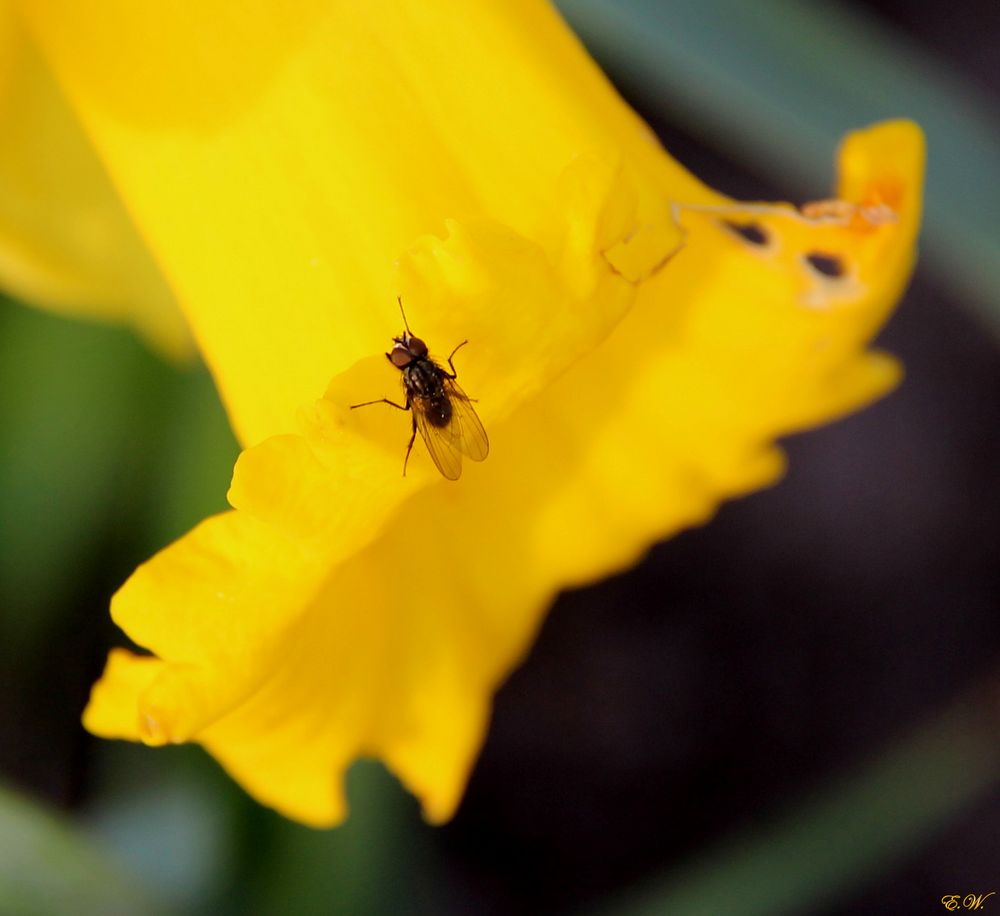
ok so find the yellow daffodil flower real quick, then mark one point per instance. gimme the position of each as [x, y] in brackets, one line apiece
[636, 344]
[66, 241]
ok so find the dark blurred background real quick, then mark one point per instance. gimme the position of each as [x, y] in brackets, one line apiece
[795, 709]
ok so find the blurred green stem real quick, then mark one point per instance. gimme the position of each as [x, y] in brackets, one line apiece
[847, 833]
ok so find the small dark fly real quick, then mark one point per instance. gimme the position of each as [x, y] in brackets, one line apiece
[440, 410]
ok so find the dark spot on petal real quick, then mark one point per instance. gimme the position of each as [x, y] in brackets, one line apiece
[754, 233]
[829, 265]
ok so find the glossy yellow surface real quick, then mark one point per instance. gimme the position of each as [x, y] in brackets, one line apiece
[295, 167]
[66, 241]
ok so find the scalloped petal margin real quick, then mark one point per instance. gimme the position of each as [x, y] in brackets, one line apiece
[299, 654]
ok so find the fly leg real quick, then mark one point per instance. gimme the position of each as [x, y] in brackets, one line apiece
[413, 435]
[409, 445]
[454, 374]
[383, 401]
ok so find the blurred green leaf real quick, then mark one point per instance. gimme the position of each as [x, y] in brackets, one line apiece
[106, 453]
[68, 397]
[194, 462]
[98, 440]
[845, 833]
[49, 869]
[779, 82]
[164, 815]
[379, 861]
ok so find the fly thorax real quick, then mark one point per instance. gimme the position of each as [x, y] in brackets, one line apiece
[421, 379]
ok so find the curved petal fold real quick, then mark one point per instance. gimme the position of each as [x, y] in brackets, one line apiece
[66, 241]
[636, 344]
[420, 595]
[281, 159]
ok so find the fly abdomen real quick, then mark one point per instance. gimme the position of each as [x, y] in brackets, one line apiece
[439, 411]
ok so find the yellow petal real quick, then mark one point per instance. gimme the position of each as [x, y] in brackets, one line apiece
[228, 572]
[397, 652]
[281, 159]
[539, 310]
[66, 242]
[112, 711]
[293, 174]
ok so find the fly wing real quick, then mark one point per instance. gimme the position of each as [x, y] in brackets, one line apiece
[463, 434]
[440, 441]
[468, 435]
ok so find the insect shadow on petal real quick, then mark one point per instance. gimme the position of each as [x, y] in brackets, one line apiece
[439, 409]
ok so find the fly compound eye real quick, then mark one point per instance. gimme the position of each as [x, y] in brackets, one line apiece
[400, 357]
[417, 347]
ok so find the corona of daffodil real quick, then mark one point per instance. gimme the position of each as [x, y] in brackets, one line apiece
[636, 344]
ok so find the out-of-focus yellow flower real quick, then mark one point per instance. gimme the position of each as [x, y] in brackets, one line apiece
[637, 342]
[66, 241]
